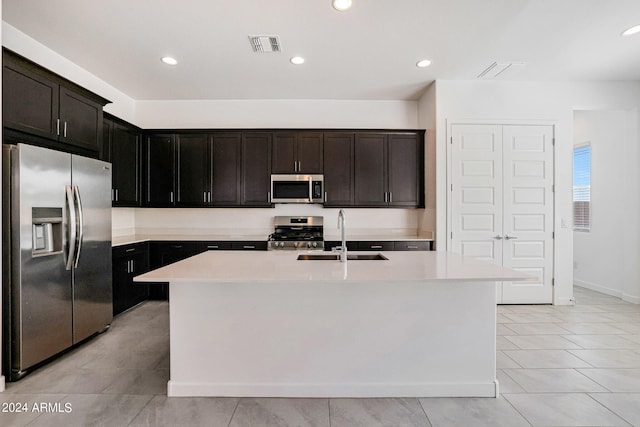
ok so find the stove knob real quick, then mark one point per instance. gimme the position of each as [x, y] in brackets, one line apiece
[308, 244]
[315, 244]
[282, 244]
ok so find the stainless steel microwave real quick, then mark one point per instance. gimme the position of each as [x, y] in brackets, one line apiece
[291, 188]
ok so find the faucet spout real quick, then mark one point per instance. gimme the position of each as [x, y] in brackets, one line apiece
[341, 226]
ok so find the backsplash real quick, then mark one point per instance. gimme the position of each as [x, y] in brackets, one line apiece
[259, 221]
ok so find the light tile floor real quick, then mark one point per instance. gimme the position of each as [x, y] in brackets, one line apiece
[557, 366]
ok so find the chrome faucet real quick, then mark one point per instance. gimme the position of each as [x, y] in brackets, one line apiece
[342, 249]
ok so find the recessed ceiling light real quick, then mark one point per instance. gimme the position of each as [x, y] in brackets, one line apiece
[169, 60]
[630, 31]
[297, 60]
[423, 63]
[341, 5]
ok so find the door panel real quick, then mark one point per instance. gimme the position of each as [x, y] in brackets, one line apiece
[226, 169]
[194, 170]
[528, 211]
[476, 191]
[92, 278]
[370, 170]
[41, 292]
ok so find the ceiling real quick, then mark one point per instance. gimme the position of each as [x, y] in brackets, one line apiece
[366, 53]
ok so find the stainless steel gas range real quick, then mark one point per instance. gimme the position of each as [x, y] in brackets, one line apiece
[297, 233]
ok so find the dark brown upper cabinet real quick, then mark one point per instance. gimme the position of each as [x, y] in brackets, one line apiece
[38, 102]
[194, 169]
[256, 169]
[226, 173]
[338, 169]
[122, 146]
[159, 150]
[387, 169]
[297, 152]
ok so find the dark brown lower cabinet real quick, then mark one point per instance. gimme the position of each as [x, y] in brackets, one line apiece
[163, 253]
[129, 261]
[384, 245]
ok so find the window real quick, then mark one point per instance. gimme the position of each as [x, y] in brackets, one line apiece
[582, 187]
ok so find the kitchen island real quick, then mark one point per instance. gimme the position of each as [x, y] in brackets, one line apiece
[267, 324]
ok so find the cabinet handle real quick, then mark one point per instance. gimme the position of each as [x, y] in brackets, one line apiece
[65, 129]
[299, 166]
[248, 247]
[390, 197]
[113, 197]
[213, 247]
[376, 246]
[176, 246]
[204, 196]
[117, 195]
[325, 197]
[130, 250]
[412, 247]
[209, 196]
[385, 197]
[269, 196]
[133, 266]
[171, 196]
[58, 127]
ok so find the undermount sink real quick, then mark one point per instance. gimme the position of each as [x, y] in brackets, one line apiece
[336, 257]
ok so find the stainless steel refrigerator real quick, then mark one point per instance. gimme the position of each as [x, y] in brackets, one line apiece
[56, 254]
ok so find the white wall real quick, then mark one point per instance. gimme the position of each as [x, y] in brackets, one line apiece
[506, 101]
[427, 119]
[277, 114]
[122, 105]
[601, 256]
[259, 221]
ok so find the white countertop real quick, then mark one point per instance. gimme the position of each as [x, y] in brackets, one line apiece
[282, 266]
[137, 238]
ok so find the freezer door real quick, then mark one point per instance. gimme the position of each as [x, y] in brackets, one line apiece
[39, 306]
[92, 287]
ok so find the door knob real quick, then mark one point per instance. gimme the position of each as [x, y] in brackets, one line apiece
[507, 237]
[497, 237]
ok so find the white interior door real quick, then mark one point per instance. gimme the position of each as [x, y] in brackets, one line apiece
[476, 190]
[528, 212]
[502, 203]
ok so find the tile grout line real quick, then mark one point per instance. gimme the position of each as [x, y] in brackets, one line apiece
[608, 409]
[234, 412]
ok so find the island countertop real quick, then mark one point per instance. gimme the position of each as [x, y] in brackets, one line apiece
[283, 266]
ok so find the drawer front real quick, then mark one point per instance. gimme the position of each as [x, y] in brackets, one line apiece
[412, 245]
[375, 246]
[250, 245]
[215, 246]
[129, 250]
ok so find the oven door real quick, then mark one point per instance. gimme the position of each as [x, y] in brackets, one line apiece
[295, 188]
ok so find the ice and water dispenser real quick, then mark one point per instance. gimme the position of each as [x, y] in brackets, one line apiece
[47, 231]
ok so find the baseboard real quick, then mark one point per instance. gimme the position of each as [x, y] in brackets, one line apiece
[597, 288]
[631, 298]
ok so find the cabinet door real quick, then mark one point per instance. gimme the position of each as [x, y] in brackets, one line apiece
[29, 100]
[309, 152]
[405, 176]
[338, 169]
[160, 170]
[121, 268]
[125, 157]
[194, 170]
[81, 120]
[256, 169]
[227, 149]
[370, 170]
[104, 150]
[138, 292]
[284, 153]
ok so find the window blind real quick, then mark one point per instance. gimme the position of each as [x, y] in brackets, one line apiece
[582, 188]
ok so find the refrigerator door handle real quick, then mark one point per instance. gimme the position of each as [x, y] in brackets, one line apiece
[72, 228]
[76, 192]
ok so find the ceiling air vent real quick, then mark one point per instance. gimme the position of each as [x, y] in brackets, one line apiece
[265, 44]
[498, 68]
